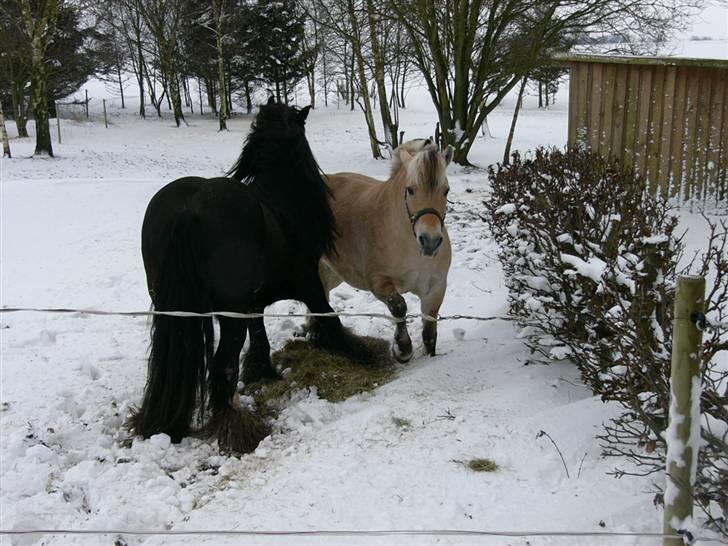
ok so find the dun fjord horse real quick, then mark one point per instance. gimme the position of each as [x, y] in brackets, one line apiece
[392, 237]
[233, 244]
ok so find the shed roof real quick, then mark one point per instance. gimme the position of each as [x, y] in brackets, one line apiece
[641, 60]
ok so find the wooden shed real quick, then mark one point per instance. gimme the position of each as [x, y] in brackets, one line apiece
[666, 116]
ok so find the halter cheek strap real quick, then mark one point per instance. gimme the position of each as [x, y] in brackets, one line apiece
[420, 213]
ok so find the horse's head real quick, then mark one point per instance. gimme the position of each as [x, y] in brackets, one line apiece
[277, 141]
[278, 160]
[424, 167]
[278, 121]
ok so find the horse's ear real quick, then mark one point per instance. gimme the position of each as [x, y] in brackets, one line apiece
[449, 152]
[405, 157]
[271, 100]
[303, 113]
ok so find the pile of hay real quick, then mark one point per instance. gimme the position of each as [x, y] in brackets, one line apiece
[335, 377]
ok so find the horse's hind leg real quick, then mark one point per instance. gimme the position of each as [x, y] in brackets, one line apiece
[236, 428]
[430, 306]
[257, 364]
[329, 280]
[385, 291]
[226, 362]
[328, 332]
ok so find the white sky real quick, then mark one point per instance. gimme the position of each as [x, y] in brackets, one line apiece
[712, 22]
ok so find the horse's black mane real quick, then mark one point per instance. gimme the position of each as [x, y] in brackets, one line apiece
[277, 160]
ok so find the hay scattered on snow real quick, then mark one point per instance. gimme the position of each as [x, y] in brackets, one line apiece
[335, 377]
[482, 465]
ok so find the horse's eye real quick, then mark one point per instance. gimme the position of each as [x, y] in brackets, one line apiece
[410, 190]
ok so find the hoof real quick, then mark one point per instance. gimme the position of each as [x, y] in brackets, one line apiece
[238, 431]
[252, 375]
[400, 356]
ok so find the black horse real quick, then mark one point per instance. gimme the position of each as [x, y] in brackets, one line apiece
[233, 244]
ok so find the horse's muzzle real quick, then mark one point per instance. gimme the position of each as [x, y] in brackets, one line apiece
[429, 244]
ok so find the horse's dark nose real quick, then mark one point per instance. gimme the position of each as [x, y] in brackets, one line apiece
[429, 244]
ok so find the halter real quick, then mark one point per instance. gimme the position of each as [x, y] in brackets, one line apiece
[420, 213]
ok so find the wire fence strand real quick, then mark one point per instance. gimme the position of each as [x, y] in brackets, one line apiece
[233, 314]
[707, 325]
[345, 533]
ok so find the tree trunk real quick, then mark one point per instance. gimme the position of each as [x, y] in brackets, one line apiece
[151, 89]
[389, 121]
[352, 79]
[326, 79]
[219, 12]
[121, 84]
[248, 100]
[546, 92]
[39, 91]
[169, 71]
[210, 89]
[507, 152]
[40, 31]
[43, 145]
[4, 134]
[19, 112]
[179, 116]
[366, 105]
[229, 91]
[278, 85]
[311, 83]
[540, 94]
[140, 76]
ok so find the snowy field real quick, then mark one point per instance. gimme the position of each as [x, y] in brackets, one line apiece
[70, 238]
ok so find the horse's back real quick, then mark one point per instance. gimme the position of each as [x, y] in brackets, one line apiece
[220, 208]
[351, 183]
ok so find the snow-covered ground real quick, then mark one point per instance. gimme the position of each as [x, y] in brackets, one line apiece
[70, 238]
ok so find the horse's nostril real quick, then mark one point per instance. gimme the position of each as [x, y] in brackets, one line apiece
[421, 240]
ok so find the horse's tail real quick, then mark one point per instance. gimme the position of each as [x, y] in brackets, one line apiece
[181, 346]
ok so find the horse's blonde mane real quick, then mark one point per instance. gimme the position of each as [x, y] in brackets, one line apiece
[427, 167]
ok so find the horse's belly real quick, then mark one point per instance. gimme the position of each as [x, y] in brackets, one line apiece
[417, 282]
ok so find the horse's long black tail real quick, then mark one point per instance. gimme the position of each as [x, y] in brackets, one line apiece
[181, 346]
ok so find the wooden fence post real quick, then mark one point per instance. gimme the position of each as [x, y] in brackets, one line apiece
[683, 431]
[106, 121]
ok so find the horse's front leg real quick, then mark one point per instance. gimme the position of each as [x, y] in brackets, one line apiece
[236, 428]
[257, 363]
[384, 290]
[430, 305]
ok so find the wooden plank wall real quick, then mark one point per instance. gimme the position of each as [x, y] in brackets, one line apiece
[670, 122]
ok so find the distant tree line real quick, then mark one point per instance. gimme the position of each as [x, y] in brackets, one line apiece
[363, 53]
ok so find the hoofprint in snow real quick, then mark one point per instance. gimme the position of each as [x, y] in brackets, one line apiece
[390, 459]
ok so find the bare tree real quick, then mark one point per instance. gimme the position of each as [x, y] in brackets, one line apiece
[390, 118]
[219, 13]
[39, 24]
[345, 18]
[471, 53]
[164, 18]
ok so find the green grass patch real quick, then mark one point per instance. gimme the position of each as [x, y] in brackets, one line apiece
[482, 465]
[335, 377]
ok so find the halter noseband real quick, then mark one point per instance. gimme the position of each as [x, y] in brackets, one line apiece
[420, 213]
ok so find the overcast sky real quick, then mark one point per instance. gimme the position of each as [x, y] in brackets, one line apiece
[713, 22]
